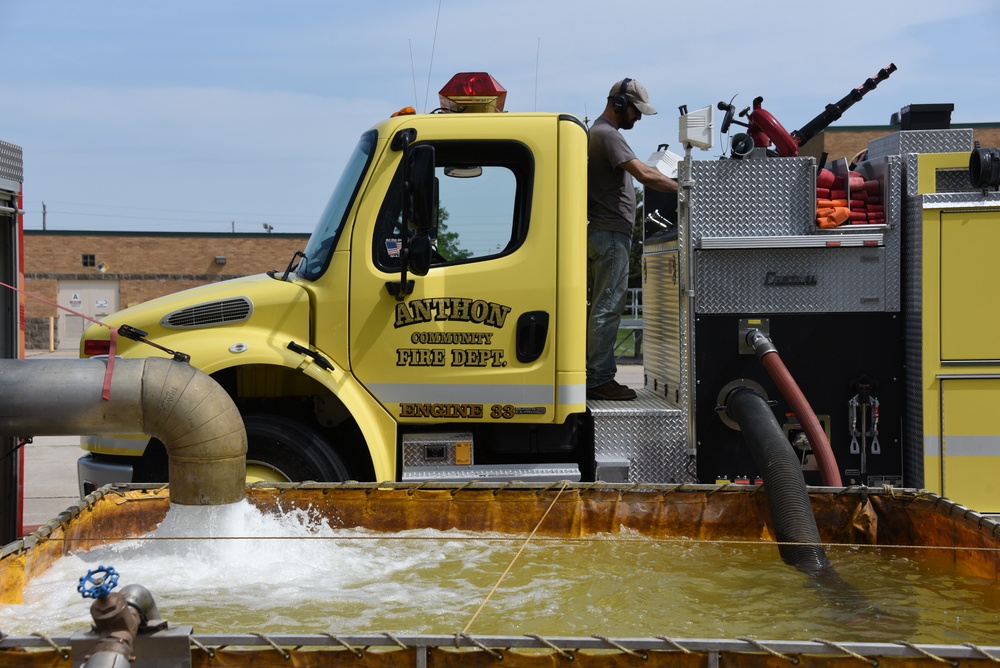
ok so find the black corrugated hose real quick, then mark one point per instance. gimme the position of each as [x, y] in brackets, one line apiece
[791, 511]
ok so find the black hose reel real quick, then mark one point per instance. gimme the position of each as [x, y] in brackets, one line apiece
[984, 168]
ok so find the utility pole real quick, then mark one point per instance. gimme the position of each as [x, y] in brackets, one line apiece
[43, 216]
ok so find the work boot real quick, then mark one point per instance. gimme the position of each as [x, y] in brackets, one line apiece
[611, 391]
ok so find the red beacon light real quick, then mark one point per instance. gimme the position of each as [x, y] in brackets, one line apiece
[472, 92]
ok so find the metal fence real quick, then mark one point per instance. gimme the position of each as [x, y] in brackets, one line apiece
[628, 345]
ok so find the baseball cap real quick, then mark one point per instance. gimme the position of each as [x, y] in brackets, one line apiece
[636, 94]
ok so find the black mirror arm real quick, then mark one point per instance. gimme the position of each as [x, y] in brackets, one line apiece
[401, 142]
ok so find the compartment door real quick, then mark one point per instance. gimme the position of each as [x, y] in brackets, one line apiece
[970, 443]
[970, 310]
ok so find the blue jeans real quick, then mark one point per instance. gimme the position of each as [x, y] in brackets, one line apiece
[607, 285]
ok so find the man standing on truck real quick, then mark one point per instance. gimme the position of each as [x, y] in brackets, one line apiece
[611, 166]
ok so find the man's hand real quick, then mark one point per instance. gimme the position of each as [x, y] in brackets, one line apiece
[649, 176]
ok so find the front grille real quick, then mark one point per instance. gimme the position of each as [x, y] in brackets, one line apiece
[220, 312]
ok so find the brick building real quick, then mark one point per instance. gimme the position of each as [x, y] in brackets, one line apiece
[98, 273]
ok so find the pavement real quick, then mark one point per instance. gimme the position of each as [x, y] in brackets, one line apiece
[50, 483]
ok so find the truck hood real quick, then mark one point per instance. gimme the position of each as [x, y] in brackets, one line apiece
[253, 307]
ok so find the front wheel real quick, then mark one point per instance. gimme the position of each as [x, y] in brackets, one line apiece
[284, 450]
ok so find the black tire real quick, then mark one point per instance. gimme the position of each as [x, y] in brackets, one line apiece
[280, 449]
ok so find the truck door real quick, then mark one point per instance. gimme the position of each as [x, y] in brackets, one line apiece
[473, 341]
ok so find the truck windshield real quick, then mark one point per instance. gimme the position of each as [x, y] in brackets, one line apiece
[324, 237]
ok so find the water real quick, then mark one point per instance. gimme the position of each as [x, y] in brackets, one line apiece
[299, 575]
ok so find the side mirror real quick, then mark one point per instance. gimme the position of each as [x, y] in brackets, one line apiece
[419, 255]
[421, 187]
[419, 210]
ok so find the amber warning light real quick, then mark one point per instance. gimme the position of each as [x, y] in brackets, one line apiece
[472, 92]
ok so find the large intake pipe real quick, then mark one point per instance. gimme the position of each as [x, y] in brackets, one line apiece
[791, 511]
[184, 408]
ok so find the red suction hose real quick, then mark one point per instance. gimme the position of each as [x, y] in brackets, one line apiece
[769, 359]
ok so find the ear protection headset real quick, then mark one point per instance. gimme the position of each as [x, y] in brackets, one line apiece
[620, 100]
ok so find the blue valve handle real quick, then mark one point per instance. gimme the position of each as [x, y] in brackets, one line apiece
[98, 582]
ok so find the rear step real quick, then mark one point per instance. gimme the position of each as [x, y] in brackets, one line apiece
[642, 440]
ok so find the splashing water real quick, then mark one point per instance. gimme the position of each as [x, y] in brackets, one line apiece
[235, 569]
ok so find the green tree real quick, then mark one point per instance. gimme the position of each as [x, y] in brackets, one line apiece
[447, 242]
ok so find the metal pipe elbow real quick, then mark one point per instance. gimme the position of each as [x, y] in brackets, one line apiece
[200, 427]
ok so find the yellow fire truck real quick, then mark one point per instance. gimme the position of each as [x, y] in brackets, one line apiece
[434, 325]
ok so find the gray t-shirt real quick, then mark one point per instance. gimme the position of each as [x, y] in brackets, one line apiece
[610, 193]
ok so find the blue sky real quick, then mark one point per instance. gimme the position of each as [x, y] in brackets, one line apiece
[219, 115]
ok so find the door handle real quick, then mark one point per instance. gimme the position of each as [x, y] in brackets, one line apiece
[532, 330]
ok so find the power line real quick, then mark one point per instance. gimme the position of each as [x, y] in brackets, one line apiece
[228, 214]
[153, 218]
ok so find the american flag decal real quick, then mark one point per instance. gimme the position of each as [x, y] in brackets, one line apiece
[393, 246]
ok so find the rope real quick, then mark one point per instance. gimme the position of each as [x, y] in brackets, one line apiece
[62, 652]
[495, 653]
[924, 652]
[511, 565]
[501, 487]
[284, 652]
[982, 651]
[357, 652]
[676, 645]
[154, 495]
[794, 660]
[459, 489]
[395, 640]
[413, 490]
[206, 650]
[569, 656]
[622, 648]
[853, 655]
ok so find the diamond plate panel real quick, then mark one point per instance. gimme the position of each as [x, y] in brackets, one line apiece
[911, 168]
[648, 433]
[760, 197]
[921, 141]
[893, 200]
[952, 181]
[797, 280]
[888, 171]
[913, 390]
[965, 200]
[11, 162]
[661, 354]
[415, 448]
